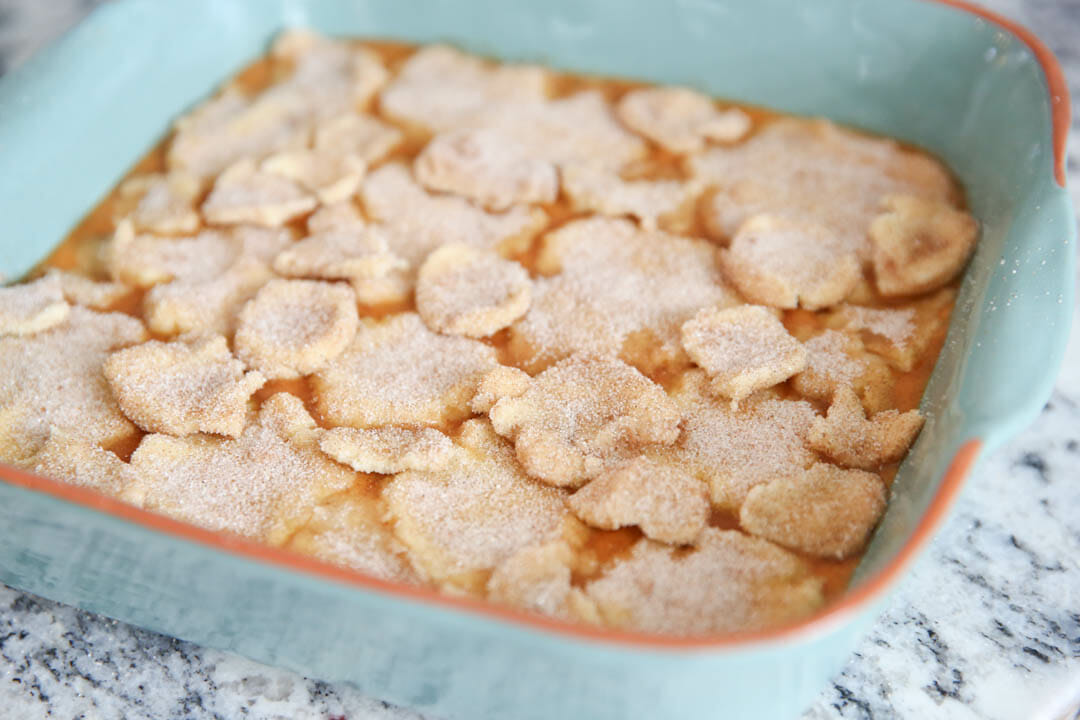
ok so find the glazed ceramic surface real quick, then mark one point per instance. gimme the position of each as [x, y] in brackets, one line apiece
[77, 116]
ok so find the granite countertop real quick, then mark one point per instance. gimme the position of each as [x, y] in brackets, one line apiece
[986, 627]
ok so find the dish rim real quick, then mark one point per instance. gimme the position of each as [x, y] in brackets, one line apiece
[825, 620]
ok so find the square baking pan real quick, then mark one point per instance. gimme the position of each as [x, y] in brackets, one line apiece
[977, 91]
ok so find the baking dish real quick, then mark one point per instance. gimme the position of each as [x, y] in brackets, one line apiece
[986, 98]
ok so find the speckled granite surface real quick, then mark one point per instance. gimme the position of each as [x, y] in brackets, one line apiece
[987, 627]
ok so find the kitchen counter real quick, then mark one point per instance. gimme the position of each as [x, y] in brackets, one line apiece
[986, 627]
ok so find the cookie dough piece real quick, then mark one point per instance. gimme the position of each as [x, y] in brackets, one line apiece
[52, 382]
[729, 582]
[609, 280]
[209, 303]
[813, 172]
[479, 509]
[339, 250]
[330, 175]
[347, 530]
[487, 167]
[247, 195]
[31, 307]
[537, 579]
[397, 371]
[663, 500]
[440, 88]
[417, 222]
[327, 78]
[464, 291]
[295, 327]
[839, 359]
[180, 388]
[76, 461]
[581, 415]
[332, 75]
[212, 481]
[919, 245]
[388, 449]
[342, 215]
[146, 260]
[680, 120]
[652, 202]
[826, 511]
[501, 382]
[742, 349]
[166, 202]
[364, 136]
[788, 264]
[573, 130]
[902, 334]
[848, 437]
[81, 290]
[733, 450]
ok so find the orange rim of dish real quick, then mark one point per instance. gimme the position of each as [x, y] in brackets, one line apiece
[815, 625]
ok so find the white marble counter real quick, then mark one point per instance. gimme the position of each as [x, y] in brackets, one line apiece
[987, 627]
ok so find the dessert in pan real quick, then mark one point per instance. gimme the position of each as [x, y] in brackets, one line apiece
[614, 353]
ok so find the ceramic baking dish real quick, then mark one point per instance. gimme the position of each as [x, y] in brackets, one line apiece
[982, 94]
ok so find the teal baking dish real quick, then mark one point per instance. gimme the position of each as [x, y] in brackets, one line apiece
[983, 95]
